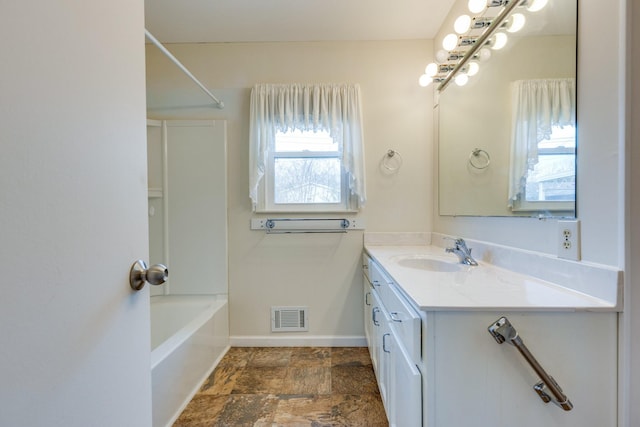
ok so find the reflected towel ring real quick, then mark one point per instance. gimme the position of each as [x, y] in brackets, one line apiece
[387, 158]
[479, 159]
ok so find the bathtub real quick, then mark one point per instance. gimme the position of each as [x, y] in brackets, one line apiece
[189, 336]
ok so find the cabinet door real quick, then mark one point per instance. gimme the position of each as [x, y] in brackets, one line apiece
[368, 315]
[405, 393]
[494, 383]
[382, 350]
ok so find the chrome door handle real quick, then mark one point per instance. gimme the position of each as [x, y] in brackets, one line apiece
[373, 316]
[157, 274]
[395, 316]
[384, 343]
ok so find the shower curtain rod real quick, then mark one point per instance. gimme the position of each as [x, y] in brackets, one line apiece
[184, 69]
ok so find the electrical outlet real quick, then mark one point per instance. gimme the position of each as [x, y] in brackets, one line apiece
[569, 239]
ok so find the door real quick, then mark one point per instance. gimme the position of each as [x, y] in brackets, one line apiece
[74, 338]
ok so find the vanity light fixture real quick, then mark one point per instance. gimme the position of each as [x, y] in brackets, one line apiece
[480, 22]
[498, 41]
[473, 68]
[515, 23]
[473, 36]
[450, 42]
[462, 24]
[461, 79]
[477, 6]
[536, 5]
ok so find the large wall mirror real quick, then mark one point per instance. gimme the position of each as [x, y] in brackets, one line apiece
[505, 146]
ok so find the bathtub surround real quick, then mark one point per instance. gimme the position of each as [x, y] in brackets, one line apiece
[289, 387]
[187, 232]
[187, 179]
[190, 334]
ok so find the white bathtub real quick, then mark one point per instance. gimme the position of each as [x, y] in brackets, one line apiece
[189, 336]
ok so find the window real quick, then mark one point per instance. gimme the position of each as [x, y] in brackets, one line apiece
[551, 185]
[306, 149]
[304, 172]
[542, 166]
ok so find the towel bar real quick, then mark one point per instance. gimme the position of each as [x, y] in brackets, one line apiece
[502, 331]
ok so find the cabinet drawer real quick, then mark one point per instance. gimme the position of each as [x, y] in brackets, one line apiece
[405, 321]
[365, 266]
[378, 278]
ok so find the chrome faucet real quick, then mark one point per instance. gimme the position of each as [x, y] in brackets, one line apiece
[462, 251]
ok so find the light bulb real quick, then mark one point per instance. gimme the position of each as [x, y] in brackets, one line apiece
[536, 5]
[515, 22]
[474, 67]
[442, 56]
[431, 70]
[461, 79]
[450, 42]
[462, 24]
[484, 54]
[499, 40]
[477, 6]
[424, 80]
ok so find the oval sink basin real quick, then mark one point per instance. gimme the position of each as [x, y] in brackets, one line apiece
[430, 264]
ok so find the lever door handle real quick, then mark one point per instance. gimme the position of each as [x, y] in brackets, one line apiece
[140, 274]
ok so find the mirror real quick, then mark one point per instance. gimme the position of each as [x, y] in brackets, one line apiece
[476, 122]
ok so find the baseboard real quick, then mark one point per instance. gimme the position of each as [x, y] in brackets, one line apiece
[289, 341]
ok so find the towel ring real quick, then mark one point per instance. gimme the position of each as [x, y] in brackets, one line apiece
[390, 155]
[479, 159]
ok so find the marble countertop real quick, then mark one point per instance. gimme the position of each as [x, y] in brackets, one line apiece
[484, 287]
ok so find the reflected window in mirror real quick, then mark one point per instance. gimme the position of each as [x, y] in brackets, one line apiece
[551, 185]
[542, 169]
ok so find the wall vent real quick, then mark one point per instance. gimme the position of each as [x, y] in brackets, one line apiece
[289, 319]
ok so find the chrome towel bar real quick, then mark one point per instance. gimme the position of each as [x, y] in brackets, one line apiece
[502, 331]
[305, 225]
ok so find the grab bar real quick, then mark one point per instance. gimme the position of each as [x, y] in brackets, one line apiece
[502, 331]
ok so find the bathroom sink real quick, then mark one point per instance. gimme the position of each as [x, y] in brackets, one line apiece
[429, 264]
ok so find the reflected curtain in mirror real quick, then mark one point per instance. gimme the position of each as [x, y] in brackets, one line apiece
[538, 106]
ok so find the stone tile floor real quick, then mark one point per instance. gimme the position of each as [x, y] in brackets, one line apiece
[284, 386]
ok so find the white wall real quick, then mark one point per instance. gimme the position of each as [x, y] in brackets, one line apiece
[600, 156]
[319, 271]
[631, 320]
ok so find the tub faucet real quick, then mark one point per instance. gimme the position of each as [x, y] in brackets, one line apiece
[462, 251]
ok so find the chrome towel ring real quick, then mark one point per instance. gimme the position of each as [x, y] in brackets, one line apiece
[387, 161]
[479, 159]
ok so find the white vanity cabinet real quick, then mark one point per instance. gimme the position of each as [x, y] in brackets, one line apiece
[449, 371]
[392, 328]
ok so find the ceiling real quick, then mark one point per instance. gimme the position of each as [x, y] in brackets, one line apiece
[193, 21]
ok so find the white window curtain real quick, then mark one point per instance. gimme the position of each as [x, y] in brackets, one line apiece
[537, 106]
[333, 107]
